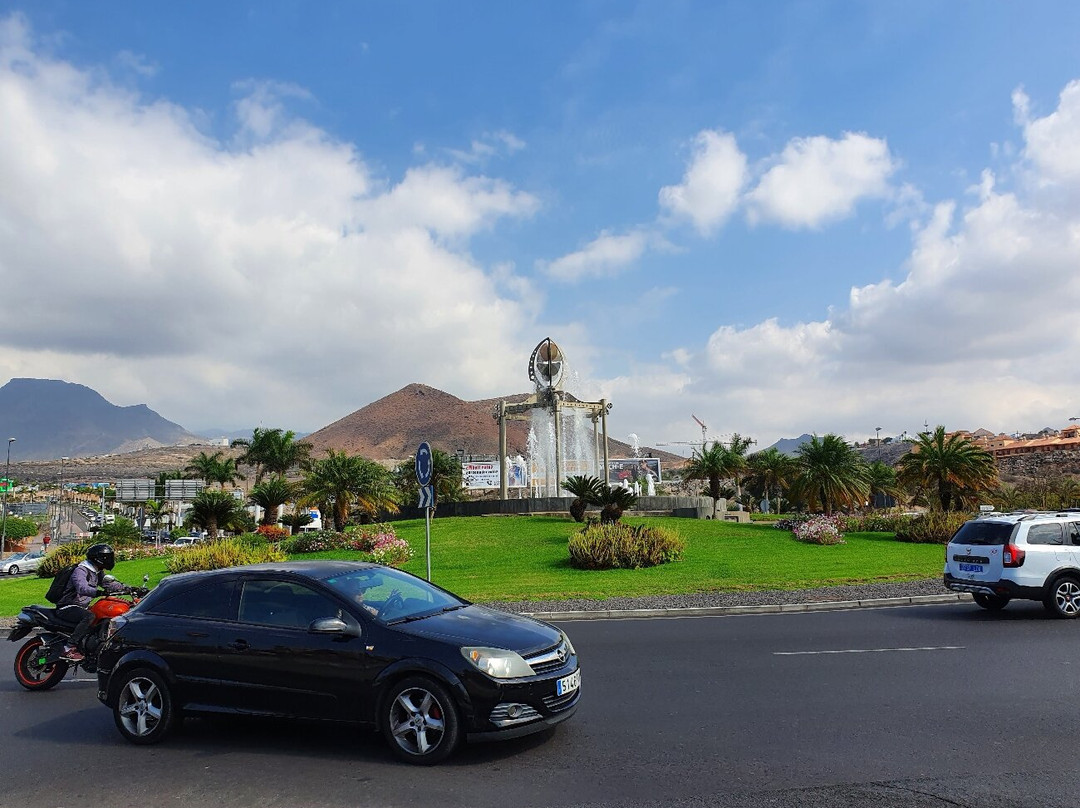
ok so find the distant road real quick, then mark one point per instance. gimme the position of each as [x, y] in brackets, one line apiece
[887, 708]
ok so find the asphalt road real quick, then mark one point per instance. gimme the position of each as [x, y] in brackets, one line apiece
[891, 708]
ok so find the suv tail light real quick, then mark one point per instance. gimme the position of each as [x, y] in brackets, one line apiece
[1012, 556]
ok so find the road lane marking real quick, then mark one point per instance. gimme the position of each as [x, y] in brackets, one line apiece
[870, 650]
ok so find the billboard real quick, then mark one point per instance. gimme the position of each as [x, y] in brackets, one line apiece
[634, 470]
[183, 489]
[137, 490]
[485, 473]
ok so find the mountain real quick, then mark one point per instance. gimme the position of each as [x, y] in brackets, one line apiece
[392, 427]
[50, 419]
[790, 446]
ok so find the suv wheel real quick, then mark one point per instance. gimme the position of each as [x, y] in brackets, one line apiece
[1063, 597]
[992, 603]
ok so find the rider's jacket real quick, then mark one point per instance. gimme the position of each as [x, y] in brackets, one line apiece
[83, 586]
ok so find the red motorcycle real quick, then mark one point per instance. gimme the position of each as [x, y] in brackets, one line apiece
[39, 664]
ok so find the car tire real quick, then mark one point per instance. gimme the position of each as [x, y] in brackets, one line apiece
[993, 603]
[33, 676]
[1063, 597]
[13, 569]
[144, 711]
[420, 721]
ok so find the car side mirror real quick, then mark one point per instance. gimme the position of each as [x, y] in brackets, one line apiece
[108, 579]
[328, 625]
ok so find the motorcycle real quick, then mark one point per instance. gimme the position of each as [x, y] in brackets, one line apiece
[39, 664]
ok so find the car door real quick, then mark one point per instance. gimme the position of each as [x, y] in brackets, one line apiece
[188, 630]
[273, 663]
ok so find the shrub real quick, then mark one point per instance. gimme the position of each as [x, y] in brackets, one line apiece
[377, 543]
[62, 556]
[791, 522]
[620, 546]
[821, 530]
[19, 529]
[273, 532]
[221, 553]
[935, 527]
[877, 523]
[390, 550]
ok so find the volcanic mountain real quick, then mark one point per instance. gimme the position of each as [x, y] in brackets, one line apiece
[392, 427]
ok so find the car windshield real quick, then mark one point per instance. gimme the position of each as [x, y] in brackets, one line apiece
[16, 557]
[392, 596]
[986, 533]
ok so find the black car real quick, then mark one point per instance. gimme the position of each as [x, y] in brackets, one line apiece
[335, 640]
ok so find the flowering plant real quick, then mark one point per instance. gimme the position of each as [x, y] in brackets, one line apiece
[821, 530]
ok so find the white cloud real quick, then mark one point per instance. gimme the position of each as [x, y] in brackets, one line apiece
[817, 180]
[980, 332]
[267, 279]
[709, 192]
[489, 145]
[605, 256]
[1051, 142]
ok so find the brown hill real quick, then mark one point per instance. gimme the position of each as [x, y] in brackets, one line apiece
[392, 427]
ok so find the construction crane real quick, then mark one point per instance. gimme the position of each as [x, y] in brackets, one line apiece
[704, 429]
[702, 442]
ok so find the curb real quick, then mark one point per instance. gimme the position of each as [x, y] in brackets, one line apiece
[6, 623]
[776, 608]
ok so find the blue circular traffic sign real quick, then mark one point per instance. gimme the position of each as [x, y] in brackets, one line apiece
[423, 464]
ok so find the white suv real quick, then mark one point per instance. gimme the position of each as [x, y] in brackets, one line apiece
[1032, 556]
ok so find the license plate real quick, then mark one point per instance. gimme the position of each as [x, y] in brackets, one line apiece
[971, 568]
[568, 684]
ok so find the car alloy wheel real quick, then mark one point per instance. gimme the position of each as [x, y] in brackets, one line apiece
[13, 569]
[144, 710]
[1064, 598]
[420, 721]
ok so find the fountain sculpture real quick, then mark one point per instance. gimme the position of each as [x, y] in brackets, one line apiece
[567, 436]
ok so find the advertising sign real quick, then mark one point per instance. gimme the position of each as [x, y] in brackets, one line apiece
[485, 473]
[634, 470]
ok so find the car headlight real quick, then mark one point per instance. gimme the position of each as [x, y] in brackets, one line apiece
[569, 644]
[498, 662]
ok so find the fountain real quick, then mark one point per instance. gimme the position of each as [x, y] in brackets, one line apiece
[564, 432]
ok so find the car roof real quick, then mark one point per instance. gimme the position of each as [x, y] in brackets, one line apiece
[317, 569]
[1027, 516]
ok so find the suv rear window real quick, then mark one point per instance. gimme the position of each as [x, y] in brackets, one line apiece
[997, 533]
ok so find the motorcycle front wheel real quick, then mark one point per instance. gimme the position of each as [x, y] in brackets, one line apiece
[31, 673]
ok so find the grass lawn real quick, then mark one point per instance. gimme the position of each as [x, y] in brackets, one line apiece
[525, 558]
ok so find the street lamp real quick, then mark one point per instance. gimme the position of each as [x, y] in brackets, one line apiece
[60, 502]
[7, 485]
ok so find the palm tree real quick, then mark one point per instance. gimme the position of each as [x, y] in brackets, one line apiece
[709, 464]
[296, 520]
[445, 478]
[156, 510]
[586, 490]
[882, 480]
[272, 451]
[270, 495]
[736, 460]
[772, 471]
[204, 465]
[615, 500]
[950, 467]
[210, 509]
[341, 481]
[831, 473]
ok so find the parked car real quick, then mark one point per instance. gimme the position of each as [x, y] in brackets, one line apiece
[22, 562]
[1031, 556]
[185, 541]
[341, 641]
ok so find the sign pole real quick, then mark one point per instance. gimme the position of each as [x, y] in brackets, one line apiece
[427, 498]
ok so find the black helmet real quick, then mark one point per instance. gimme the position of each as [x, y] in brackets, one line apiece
[101, 555]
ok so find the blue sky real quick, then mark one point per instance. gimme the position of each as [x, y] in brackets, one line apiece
[783, 218]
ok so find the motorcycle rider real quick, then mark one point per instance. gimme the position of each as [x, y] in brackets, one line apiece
[82, 587]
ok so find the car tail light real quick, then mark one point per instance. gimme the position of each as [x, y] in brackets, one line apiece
[1012, 556]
